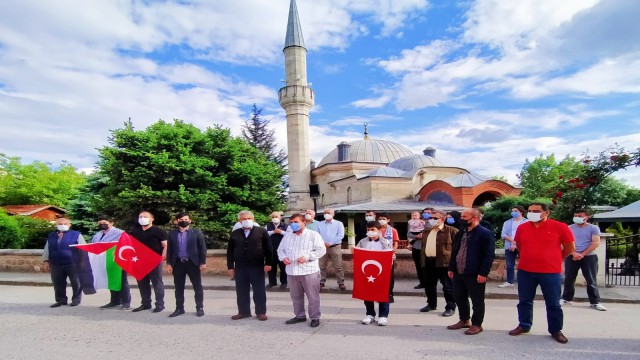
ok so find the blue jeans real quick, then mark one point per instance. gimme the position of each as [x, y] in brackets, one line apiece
[550, 284]
[510, 257]
[383, 309]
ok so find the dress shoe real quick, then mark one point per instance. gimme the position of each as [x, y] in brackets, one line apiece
[559, 337]
[448, 313]
[473, 330]
[295, 320]
[141, 307]
[427, 309]
[262, 317]
[459, 325]
[178, 312]
[57, 305]
[419, 286]
[283, 286]
[240, 316]
[342, 287]
[269, 286]
[315, 323]
[518, 331]
[199, 312]
[158, 309]
[74, 303]
[109, 305]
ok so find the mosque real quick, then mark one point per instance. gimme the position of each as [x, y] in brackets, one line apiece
[367, 174]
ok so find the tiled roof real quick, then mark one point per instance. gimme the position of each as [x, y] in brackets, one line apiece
[27, 210]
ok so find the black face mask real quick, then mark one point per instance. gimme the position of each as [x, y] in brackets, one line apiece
[103, 226]
[466, 223]
[183, 224]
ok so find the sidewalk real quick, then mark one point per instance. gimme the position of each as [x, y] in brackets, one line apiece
[403, 287]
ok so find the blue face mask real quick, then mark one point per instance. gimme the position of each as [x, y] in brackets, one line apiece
[295, 227]
[426, 216]
[515, 214]
[450, 220]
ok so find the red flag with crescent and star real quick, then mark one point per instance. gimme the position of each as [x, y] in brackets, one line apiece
[134, 257]
[372, 274]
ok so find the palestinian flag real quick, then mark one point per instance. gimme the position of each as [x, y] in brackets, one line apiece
[99, 270]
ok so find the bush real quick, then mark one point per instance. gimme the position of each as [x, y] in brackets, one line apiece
[619, 246]
[10, 235]
[34, 231]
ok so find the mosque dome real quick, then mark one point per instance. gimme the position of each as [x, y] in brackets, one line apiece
[386, 171]
[414, 162]
[465, 180]
[367, 151]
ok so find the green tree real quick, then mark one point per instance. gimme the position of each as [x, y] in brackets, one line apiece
[33, 231]
[10, 234]
[83, 208]
[256, 131]
[171, 167]
[37, 183]
[540, 176]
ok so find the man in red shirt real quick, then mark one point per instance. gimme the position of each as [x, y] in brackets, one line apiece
[543, 244]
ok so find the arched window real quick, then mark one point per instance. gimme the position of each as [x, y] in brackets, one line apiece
[440, 197]
[322, 200]
[349, 195]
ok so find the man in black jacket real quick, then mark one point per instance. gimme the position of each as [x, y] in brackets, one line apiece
[249, 255]
[471, 259]
[186, 255]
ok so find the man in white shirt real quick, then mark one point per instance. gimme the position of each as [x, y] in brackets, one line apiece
[332, 232]
[300, 250]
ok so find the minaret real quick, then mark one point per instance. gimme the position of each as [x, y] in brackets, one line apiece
[296, 98]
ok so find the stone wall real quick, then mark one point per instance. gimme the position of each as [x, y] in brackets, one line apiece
[31, 261]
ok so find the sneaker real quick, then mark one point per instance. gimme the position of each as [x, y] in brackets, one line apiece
[565, 302]
[367, 320]
[382, 321]
[505, 285]
[599, 307]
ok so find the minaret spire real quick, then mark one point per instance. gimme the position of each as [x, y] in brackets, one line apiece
[294, 30]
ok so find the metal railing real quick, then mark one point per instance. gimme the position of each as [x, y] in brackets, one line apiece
[622, 267]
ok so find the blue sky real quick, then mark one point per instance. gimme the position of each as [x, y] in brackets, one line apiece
[487, 83]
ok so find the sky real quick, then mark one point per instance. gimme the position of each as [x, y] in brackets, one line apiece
[488, 83]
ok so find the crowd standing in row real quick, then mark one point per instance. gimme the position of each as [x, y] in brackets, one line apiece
[453, 248]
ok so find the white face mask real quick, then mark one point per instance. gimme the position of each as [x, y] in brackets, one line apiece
[62, 228]
[275, 220]
[433, 222]
[370, 218]
[247, 224]
[328, 216]
[578, 220]
[144, 221]
[383, 222]
[308, 217]
[534, 217]
[372, 234]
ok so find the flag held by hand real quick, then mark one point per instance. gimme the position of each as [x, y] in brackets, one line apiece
[372, 274]
[134, 257]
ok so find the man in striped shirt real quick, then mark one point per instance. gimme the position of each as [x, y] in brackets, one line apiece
[300, 250]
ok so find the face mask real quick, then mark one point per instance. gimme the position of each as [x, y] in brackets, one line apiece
[465, 223]
[275, 220]
[515, 214]
[308, 217]
[370, 218]
[578, 220]
[328, 216]
[534, 217]
[247, 224]
[62, 228]
[426, 216]
[451, 221]
[144, 221]
[372, 234]
[183, 224]
[295, 227]
[103, 226]
[433, 222]
[383, 222]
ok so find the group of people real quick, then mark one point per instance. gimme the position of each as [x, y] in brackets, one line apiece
[453, 248]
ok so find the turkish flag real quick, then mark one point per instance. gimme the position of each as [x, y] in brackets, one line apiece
[134, 257]
[372, 274]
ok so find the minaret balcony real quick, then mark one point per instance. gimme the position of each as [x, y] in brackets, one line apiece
[291, 94]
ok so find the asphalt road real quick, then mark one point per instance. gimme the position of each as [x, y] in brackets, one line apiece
[29, 329]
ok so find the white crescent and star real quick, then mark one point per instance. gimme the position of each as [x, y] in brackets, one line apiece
[126, 247]
[374, 263]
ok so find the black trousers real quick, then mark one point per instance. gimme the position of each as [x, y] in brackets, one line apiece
[415, 255]
[431, 276]
[180, 272]
[154, 278]
[124, 295]
[59, 275]
[465, 287]
[273, 273]
[247, 278]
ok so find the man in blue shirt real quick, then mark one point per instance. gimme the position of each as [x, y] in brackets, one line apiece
[332, 232]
